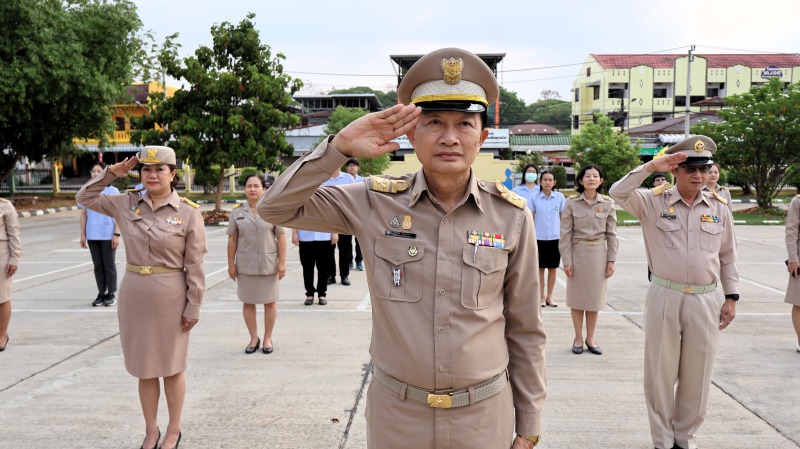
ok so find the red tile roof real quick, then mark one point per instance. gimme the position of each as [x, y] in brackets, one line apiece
[618, 61]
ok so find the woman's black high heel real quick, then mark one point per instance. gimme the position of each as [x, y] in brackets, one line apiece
[157, 439]
[180, 434]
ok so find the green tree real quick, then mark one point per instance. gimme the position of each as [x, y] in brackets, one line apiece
[760, 136]
[533, 157]
[560, 174]
[387, 99]
[512, 108]
[341, 117]
[62, 66]
[599, 144]
[234, 109]
[553, 112]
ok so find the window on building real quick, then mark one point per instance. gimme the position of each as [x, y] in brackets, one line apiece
[659, 93]
[577, 94]
[680, 100]
[596, 93]
[575, 123]
[660, 117]
[615, 93]
[588, 71]
[119, 123]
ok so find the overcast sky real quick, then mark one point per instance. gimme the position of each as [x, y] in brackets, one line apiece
[336, 44]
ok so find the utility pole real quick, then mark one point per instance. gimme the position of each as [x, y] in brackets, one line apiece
[688, 91]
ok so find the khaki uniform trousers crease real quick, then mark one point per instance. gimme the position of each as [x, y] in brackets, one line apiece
[681, 340]
[393, 423]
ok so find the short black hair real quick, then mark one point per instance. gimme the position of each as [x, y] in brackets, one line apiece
[578, 186]
[260, 178]
[352, 161]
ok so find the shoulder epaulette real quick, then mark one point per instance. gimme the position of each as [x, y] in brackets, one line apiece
[798, 195]
[379, 184]
[190, 202]
[726, 188]
[136, 190]
[238, 205]
[720, 198]
[510, 196]
[606, 197]
[661, 189]
[3, 200]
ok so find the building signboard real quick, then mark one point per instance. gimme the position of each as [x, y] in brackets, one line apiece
[771, 72]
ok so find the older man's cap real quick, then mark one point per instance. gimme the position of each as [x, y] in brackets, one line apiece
[156, 155]
[449, 79]
[700, 150]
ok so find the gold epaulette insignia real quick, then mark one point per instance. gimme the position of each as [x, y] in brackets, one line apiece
[510, 196]
[720, 198]
[384, 185]
[3, 200]
[798, 195]
[190, 202]
[661, 189]
[238, 205]
[140, 189]
[726, 188]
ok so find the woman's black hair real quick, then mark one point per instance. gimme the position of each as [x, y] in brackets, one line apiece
[260, 178]
[100, 164]
[525, 170]
[578, 186]
[172, 168]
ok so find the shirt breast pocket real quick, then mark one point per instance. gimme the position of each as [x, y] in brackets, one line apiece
[398, 258]
[482, 276]
[669, 235]
[711, 237]
[133, 224]
[173, 236]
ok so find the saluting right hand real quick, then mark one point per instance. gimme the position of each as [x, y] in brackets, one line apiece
[666, 163]
[371, 135]
[121, 169]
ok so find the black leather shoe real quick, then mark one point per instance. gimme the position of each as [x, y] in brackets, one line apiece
[309, 300]
[676, 447]
[110, 300]
[331, 280]
[594, 349]
[4, 346]
[180, 434]
[157, 439]
[323, 300]
[577, 349]
[252, 349]
[267, 350]
[345, 280]
[99, 301]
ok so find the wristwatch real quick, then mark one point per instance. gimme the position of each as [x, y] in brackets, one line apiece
[733, 296]
[534, 438]
[117, 234]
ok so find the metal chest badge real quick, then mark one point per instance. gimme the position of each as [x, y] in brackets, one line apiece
[669, 213]
[412, 250]
[396, 277]
[406, 222]
[394, 222]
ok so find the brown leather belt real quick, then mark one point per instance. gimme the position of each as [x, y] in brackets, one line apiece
[460, 398]
[146, 269]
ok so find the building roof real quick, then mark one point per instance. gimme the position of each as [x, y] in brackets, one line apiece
[675, 125]
[528, 127]
[621, 61]
[713, 101]
[316, 103]
[541, 139]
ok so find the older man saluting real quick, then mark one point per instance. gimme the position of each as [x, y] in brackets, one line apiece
[451, 265]
[691, 249]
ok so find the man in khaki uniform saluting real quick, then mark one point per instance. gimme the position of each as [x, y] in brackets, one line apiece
[691, 248]
[451, 262]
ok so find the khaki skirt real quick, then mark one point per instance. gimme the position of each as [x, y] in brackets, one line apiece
[793, 291]
[587, 288]
[5, 282]
[150, 311]
[256, 289]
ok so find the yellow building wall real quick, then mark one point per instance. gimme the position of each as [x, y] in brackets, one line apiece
[739, 79]
[586, 104]
[698, 82]
[485, 167]
[640, 111]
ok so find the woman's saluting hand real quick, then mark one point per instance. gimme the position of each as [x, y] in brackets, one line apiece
[121, 169]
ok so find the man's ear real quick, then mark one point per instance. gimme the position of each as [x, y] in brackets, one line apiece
[410, 135]
[484, 135]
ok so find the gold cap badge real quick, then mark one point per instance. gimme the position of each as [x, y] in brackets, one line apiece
[699, 146]
[452, 69]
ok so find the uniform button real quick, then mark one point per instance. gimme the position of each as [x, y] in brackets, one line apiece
[445, 221]
[441, 291]
[396, 257]
[486, 266]
[442, 368]
[444, 256]
[482, 183]
[441, 330]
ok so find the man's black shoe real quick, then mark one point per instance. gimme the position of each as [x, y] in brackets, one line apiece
[101, 298]
[345, 280]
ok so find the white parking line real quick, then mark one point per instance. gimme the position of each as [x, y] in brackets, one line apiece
[51, 272]
[364, 304]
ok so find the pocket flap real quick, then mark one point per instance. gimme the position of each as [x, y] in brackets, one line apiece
[487, 260]
[711, 228]
[399, 251]
[668, 224]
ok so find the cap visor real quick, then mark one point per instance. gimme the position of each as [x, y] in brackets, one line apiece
[458, 106]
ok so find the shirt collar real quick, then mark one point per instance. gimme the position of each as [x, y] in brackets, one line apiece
[173, 200]
[598, 198]
[419, 185]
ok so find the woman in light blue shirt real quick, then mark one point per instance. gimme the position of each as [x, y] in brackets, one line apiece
[528, 186]
[547, 206]
[101, 234]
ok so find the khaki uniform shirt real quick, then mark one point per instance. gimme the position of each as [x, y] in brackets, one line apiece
[445, 316]
[793, 230]
[583, 220]
[172, 236]
[256, 244]
[724, 192]
[685, 243]
[9, 231]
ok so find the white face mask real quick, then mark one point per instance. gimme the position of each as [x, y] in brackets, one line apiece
[530, 177]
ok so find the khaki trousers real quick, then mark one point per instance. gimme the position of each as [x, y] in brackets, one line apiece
[681, 339]
[396, 424]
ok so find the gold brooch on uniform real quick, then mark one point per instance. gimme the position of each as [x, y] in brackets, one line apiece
[394, 222]
[699, 146]
[599, 209]
[174, 220]
[406, 222]
[452, 70]
[669, 213]
[412, 250]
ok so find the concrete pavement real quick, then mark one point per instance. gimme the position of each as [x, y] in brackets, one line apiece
[63, 384]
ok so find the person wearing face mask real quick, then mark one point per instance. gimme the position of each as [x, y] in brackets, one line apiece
[528, 186]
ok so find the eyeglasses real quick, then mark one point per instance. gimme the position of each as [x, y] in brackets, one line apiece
[689, 169]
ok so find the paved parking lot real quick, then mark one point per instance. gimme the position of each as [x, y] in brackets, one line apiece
[63, 384]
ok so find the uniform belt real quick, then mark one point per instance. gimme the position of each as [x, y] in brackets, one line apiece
[591, 242]
[145, 269]
[685, 288]
[460, 398]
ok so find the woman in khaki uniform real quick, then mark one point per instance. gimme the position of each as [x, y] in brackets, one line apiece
[588, 248]
[718, 190]
[164, 281]
[257, 262]
[793, 263]
[10, 252]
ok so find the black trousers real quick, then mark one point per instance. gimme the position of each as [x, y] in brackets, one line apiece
[359, 257]
[105, 266]
[315, 254]
[345, 256]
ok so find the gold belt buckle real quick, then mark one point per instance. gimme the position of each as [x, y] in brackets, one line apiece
[688, 288]
[145, 270]
[440, 400]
